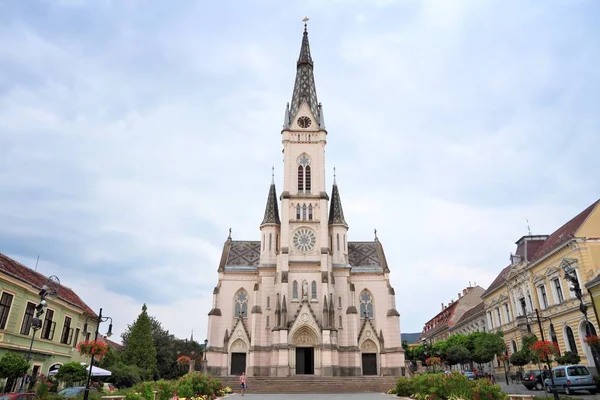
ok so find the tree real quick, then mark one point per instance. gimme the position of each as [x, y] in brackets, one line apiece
[458, 354]
[140, 349]
[519, 358]
[124, 375]
[487, 346]
[71, 373]
[13, 366]
[569, 358]
[111, 358]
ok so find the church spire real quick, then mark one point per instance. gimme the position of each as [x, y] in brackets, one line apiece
[304, 87]
[272, 209]
[336, 213]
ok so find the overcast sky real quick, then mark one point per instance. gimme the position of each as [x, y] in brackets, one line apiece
[133, 134]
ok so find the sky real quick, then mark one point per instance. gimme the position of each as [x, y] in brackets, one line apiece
[134, 134]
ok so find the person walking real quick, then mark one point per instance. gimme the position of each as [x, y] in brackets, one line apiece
[243, 382]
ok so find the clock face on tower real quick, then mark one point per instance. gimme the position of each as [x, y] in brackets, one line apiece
[304, 122]
[304, 239]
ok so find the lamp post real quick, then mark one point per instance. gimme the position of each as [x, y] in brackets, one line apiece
[100, 319]
[506, 362]
[50, 288]
[523, 324]
[571, 277]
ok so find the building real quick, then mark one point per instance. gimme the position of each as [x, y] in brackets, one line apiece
[63, 320]
[473, 320]
[441, 326]
[304, 299]
[532, 292]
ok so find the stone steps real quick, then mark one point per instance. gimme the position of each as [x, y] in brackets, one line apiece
[313, 384]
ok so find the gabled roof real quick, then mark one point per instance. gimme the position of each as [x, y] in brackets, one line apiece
[564, 233]
[471, 312]
[37, 280]
[497, 282]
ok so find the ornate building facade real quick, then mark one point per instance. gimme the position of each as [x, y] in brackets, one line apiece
[304, 299]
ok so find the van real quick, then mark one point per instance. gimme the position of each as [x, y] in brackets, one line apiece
[571, 378]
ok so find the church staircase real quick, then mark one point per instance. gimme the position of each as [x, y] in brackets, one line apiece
[312, 384]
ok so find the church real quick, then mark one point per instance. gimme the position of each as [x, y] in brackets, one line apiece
[303, 299]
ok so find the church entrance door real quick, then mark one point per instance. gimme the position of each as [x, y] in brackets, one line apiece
[238, 363]
[369, 363]
[305, 360]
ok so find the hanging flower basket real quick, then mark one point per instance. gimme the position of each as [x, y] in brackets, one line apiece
[93, 348]
[183, 360]
[544, 349]
[593, 341]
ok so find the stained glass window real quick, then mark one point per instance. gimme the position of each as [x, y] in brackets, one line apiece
[313, 288]
[241, 304]
[366, 305]
[295, 290]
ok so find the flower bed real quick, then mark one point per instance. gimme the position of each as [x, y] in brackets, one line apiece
[441, 386]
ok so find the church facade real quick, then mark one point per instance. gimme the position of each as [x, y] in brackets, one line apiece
[303, 299]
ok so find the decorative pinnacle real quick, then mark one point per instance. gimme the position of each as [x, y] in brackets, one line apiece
[229, 237]
[305, 20]
[273, 175]
[334, 182]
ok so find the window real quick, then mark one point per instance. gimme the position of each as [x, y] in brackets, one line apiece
[295, 290]
[340, 321]
[559, 294]
[268, 302]
[49, 325]
[530, 302]
[340, 302]
[304, 212]
[338, 242]
[571, 339]
[5, 303]
[490, 320]
[498, 315]
[514, 346]
[263, 242]
[27, 319]
[507, 312]
[267, 321]
[543, 297]
[270, 240]
[76, 338]
[298, 211]
[313, 289]
[241, 304]
[67, 332]
[310, 212]
[300, 178]
[523, 306]
[307, 179]
[366, 304]
[576, 275]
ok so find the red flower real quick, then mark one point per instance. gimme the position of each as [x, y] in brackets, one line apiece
[94, 348]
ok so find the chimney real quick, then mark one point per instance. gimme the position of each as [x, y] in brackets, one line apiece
[459, 295]
[465, 291]
[442, 306]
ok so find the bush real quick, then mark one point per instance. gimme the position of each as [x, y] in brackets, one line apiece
[568, 358]
[165, 390]
[485, 389]
[145, 389]
[404, 387]
[133, 396]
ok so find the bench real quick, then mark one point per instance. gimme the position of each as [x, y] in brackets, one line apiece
[520, 397]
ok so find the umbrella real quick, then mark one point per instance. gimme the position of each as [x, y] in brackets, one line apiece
[96, 371]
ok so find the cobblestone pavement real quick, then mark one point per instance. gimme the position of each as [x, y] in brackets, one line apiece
[514, 388]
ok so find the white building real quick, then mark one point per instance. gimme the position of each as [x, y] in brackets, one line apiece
[303, 299]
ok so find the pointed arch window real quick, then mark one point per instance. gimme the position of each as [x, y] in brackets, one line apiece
[300, 178]
[338, 242]
[310, 212]
[268, 302]
[340, 302]
[307, 179]
[514, 346]
[298, 211]
[313, 289]
[340, 321]
[241, 304]
[570, 339]
[295, 290]
[267, 321]
[270, 240]
[304, 175]
[366, 305]
[304, 212]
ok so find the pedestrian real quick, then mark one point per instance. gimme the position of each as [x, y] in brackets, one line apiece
[243, 382]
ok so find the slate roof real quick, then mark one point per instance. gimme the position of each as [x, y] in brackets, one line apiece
[37, 280]
[272, 209]
[304, 86]
[564, 233]
[243, 256]
[336, 213]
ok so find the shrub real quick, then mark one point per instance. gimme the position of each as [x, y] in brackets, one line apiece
[133, 396]
[404, 387]
[568, 358]
[145, 389]
[484, 389]
[164, 390]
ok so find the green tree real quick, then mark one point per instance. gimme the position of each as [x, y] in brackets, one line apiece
[458, 354]
[486, 346]
[71, 373]
[13, 366]
[111, 358]
[123, 375]
[568, 358]
[139, 346]
[520, 358]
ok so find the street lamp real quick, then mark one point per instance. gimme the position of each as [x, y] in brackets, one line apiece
[571, 277]
[205, 347]
[50, 288]
[523, 325]
[100, 319]
[506, 362]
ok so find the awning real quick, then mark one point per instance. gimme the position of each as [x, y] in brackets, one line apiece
[96, 371]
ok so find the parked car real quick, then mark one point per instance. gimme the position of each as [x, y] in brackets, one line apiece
[534, 379]
[17, 396]
[73, 392]
[570, 378]
[469, 374]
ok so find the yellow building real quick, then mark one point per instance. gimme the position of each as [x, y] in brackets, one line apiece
[532, 291]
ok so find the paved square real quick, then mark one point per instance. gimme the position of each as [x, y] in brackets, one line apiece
[303, 396]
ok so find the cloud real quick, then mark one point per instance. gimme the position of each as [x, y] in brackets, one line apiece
[132, 136]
